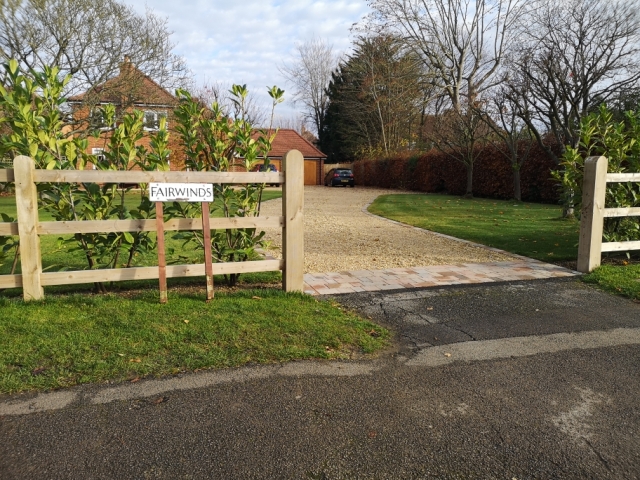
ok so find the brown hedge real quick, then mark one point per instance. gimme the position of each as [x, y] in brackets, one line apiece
[435, 172]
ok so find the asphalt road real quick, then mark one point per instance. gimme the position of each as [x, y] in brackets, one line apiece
[534, 380]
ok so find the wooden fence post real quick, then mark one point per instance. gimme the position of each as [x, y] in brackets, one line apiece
[594, 189]
[293, 231]
[27, 207]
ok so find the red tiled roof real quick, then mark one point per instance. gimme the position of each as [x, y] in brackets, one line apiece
[130, 82]
[288, 139]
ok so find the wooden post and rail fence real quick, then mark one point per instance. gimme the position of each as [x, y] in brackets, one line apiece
[29, 228]
[594, 212]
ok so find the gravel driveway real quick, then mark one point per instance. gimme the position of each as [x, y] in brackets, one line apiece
[339, 236]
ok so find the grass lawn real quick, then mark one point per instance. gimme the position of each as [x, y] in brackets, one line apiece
[75, 337]
[69, 340]
[529, 229]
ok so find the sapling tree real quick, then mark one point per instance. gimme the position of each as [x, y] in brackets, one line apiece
[214, 142]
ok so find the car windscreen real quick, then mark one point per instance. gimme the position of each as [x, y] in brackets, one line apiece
[344, 173]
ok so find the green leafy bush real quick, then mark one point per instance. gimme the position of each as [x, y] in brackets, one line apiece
[214, 142]
[600, 135]
[33, 124]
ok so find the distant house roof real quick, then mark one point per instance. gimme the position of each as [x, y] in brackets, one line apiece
[131, 85]
[288, 139]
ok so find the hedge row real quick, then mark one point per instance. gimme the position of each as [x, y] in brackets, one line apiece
[435, 172]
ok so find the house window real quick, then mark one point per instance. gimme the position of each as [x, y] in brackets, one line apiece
[152, 119]
[99, 154]
[97, 120]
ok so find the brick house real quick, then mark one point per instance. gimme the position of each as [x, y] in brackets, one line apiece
[288, 139]
[130, 90]
[133, 90]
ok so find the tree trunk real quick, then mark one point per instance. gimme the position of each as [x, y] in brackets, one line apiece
[568, 207]
[517, 191]
[469, 192]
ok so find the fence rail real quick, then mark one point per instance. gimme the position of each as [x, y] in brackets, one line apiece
[594, 192]
[175, 224]
[137, 176]
[29, 228]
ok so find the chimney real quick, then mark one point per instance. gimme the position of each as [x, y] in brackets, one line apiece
[126, 66]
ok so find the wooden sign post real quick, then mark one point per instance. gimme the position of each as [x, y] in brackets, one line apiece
[208, 259]
[182, 192]
[162, 261]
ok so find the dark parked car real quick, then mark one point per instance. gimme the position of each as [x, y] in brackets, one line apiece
[339, 177]
[269, 168]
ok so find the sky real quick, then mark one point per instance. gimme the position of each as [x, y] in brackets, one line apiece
[244, 41]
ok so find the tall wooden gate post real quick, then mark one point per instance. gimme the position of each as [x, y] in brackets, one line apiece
[27, 207]
[293, 231]
[592, 215]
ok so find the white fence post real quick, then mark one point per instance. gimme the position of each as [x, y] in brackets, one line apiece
[27, 206]
[293, 231]
[592, 214]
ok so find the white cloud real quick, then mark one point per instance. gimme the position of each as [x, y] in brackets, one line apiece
[244, 41]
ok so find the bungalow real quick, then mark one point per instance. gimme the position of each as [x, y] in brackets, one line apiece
[287, 139]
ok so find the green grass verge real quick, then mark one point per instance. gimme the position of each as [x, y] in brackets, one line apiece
[529, 229]
[618, 279]
[64, 341]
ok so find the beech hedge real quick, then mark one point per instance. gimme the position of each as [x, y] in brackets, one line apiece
[436, 172]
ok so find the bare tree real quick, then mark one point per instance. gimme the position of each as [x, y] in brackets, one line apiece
[459, 134]
[88, 40]
[295, 122]
[219, 92]
[510, 133]
[573, 55]
[309, 74]
[376, 99]
[461, 43]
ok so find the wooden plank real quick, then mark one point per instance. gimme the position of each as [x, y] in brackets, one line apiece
[622, 212]
[620, 246]
[151, 273]
[6, 175]
[27, 207]
[176, 224]
[208, 259]
[293, 231]
[623, 177]
[217, 223]
[10, 281]
[592, 218]
[162, 260]
[137, 176]
[7, 228]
